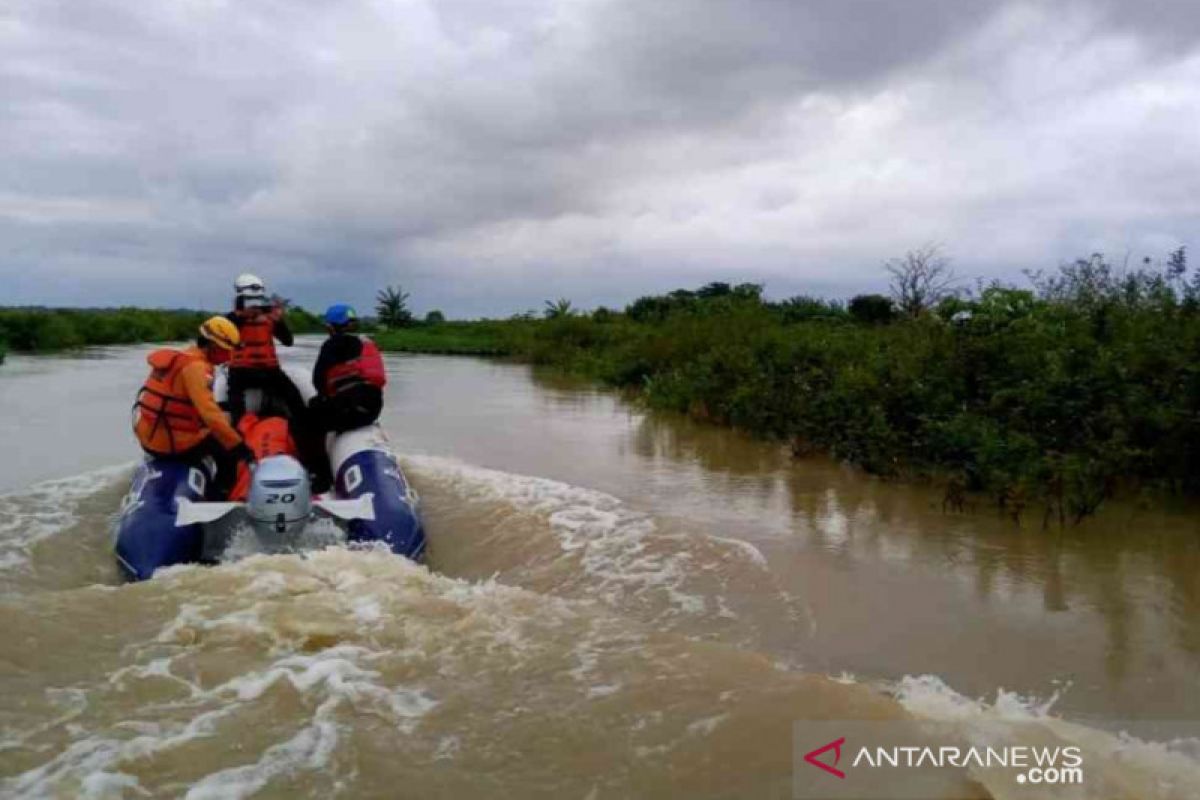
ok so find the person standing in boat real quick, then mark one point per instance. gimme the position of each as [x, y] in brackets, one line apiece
[255, 365]
[175, 414]
[349, 377]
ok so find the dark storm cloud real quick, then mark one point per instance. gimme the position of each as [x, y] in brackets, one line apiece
[487, 153]
[1174, 22]
[687, 49]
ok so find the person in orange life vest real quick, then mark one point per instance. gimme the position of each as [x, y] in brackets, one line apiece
[255, 365]
[175, 414]
[349, 378]
[266, 437]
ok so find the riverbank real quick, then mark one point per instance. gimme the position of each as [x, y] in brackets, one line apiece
[1060, 396]
[44, 330]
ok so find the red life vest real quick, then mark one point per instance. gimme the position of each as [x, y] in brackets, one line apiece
[160, 405]
[258, 343]
[367, 369]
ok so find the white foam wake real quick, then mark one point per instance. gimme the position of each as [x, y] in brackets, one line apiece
[248, 610]
[44, 509]
[621, 554]
[1116, 763]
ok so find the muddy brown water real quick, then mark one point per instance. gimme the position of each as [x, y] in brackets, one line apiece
[615, 604]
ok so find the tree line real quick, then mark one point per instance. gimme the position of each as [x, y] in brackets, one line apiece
[41, 330]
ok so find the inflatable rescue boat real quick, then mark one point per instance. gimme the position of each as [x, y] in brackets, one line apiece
[170, 515]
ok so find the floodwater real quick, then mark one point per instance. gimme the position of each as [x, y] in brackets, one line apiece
[615, 604]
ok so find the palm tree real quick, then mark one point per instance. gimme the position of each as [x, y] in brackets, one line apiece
[558, 308]
[392, 307]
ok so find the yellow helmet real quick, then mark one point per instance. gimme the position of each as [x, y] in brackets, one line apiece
[221, 332]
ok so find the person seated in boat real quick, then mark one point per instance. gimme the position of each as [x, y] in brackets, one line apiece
[175, 413]
[349, 377]
[266, 436]
[255, 365]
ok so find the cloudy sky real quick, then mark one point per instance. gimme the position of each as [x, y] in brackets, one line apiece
[490, 154]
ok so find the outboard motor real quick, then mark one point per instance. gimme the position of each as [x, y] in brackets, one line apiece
[280, 502]
[168, 517]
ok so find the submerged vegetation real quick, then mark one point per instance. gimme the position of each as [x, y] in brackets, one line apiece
[1082, 384]
[43, 330]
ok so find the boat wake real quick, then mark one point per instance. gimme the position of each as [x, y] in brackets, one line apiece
[558, 644]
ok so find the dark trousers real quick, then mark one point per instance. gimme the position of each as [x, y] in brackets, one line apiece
[221, 468]
[353, 408]
[280, 397]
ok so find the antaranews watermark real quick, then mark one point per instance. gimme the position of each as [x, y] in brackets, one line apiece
[911, 759]
[1033, 763]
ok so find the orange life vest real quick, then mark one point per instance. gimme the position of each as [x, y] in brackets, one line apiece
[366, 369]
[258, 343]
[165, 419]
[270, 436]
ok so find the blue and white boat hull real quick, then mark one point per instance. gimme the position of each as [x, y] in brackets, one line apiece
[167, 519]
[363, 465]
[147, 536]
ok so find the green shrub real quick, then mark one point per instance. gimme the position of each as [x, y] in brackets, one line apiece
[872, 309]
[802, 307]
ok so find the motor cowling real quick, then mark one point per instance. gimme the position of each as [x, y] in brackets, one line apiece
[280, 501]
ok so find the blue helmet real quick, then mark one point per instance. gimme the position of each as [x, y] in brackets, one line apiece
[340, 314]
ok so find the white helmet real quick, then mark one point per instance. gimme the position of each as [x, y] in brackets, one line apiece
[250, 286]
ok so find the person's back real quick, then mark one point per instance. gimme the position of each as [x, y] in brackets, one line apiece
[175, 414]
[259, 327]
[166, 420]
[349, 382]
[255, 365]
[349, 378]
[349, 370]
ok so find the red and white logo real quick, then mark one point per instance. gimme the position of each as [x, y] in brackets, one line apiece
[836, 747]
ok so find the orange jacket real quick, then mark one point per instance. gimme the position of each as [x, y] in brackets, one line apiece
[258, 344]
[270, 436]
[175, 409]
